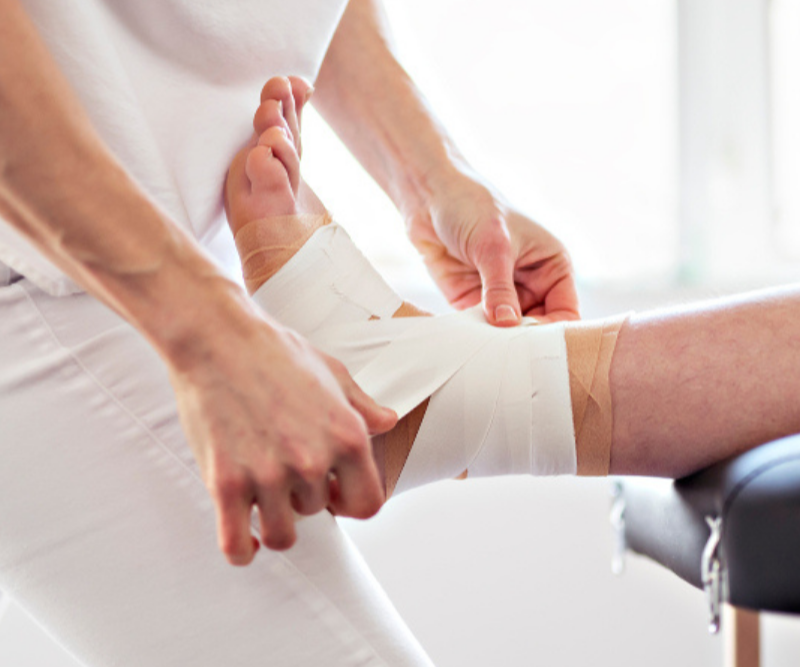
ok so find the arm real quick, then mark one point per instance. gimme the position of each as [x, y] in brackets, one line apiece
[473, 242]
[265, 416]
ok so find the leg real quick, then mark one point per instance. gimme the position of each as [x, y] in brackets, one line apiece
[669, 418]
[696, 385]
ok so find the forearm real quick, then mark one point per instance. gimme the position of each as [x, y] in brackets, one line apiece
[374, 106]
[695, 386]
[62, 189]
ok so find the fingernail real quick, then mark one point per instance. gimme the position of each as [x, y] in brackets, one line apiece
[280, 107]
[505, 313]
[309, 93]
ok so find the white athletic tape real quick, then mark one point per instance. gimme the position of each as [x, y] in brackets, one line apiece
[505, 411]
[327, 282]
[500, 401]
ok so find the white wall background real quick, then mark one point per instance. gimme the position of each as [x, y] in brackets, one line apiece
[571, 109]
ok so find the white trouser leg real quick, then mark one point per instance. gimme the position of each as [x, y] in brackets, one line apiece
[107, 534]
[500, 398]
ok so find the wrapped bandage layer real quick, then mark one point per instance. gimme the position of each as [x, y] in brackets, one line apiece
[323, 280]
[499, 398]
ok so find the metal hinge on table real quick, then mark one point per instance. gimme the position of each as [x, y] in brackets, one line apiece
[712, 573]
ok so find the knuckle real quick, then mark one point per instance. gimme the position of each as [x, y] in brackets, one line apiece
[229, 486]
[354, 445]
[271, 476]
[492, 235]
[312, 468]
[495, 291]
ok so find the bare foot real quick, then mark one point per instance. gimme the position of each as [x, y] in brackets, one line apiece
[264, 177]
[262, 190]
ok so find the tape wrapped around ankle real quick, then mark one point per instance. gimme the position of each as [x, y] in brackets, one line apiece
[500, 398]
[267, 244]
[326, 280]
[590, 350]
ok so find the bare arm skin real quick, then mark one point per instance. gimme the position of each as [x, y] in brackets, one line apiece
[474, 243]
[265, 415]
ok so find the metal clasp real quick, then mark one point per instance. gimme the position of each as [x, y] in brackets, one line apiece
[711, 573]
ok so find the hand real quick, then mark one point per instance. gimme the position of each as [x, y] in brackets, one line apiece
[269, 419]
[479, 249]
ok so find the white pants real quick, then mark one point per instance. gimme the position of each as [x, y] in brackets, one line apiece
[107, 533]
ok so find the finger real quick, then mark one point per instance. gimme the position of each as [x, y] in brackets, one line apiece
[561, 302]
[280, 88]
[310, 492]
[360, 493]
[276, 518]
[334, 492]
[495, 264]
[234, 500]
[377, 418]
[547, 289]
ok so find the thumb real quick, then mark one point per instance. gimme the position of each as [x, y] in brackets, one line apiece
[500, 301]
[377, 418]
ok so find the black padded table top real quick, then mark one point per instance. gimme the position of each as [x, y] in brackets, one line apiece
[755, 498]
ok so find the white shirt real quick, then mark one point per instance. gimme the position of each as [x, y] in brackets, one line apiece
[171, 86]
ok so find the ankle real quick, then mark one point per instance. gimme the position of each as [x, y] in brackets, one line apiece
[266, 245]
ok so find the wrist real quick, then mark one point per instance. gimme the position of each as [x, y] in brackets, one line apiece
[179, 300]
[191, 318]
[454, 182]
[419, 189]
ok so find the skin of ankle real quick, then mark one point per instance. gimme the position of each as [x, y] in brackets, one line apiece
[266, 245]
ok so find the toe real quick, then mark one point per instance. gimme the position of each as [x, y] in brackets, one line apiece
[301, 91]
[271, 192]
[269, 114]
[282, 147]
[280, 88]
[277, 88]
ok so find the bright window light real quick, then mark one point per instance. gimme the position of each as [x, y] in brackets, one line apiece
[785, 60]
[569, 108]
